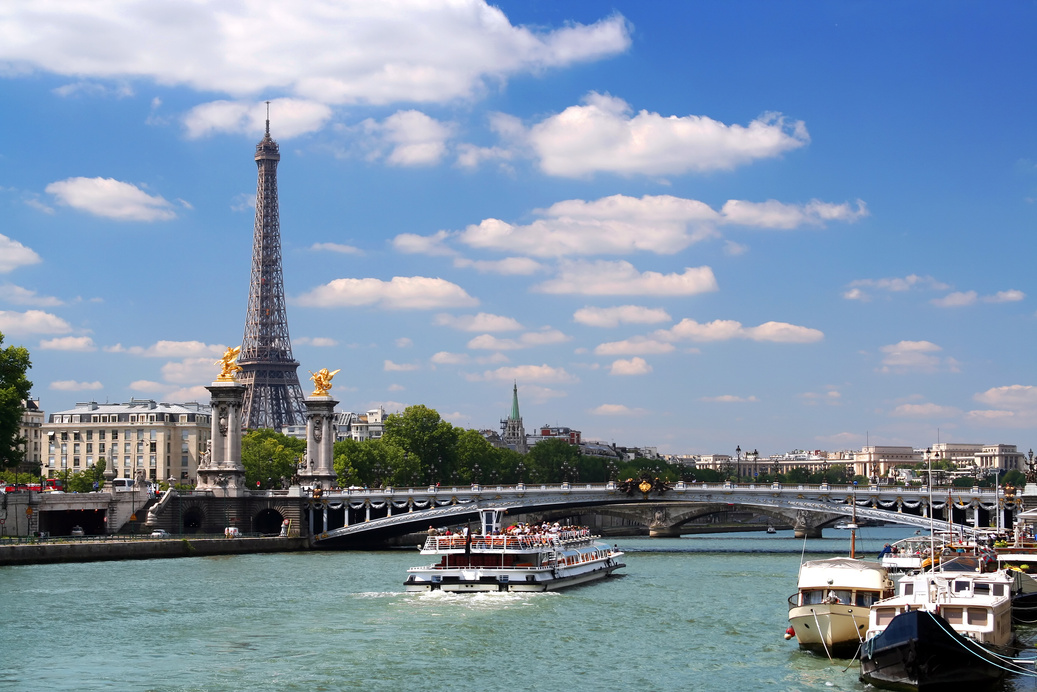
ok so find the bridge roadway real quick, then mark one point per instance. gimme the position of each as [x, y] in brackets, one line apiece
[351, 516]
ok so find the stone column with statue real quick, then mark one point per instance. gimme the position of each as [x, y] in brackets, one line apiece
[221, 470]
[319, 468]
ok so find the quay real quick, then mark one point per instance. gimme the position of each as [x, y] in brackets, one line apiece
[101, 548]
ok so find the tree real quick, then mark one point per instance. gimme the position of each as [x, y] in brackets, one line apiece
[546, 459]
[424, 436]
[14, 391]
[268, 457]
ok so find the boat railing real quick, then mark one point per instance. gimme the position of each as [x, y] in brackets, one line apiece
[505, 542]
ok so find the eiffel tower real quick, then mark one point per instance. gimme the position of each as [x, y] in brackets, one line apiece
[273, 397]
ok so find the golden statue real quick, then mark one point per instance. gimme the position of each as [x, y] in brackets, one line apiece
[228, 365]
[322, 381]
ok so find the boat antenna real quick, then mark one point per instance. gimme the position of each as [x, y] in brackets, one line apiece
[932, 542]
[853, 521]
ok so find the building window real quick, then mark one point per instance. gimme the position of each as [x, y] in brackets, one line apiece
[152, 461]
[115, 434]
[183, 460]
[75, 462]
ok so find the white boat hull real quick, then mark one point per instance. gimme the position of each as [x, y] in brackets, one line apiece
[836, 630]
[476, 579]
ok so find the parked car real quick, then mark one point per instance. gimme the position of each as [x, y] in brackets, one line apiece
[160, 533]
[78, 531]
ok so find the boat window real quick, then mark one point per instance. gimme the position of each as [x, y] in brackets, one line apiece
[909, 588]
[981, 589]
[883, 616]
[999, 590]
[977, 616]
[952, 615]
[813, 597]
[838, 596]
[961, 586]
[865, 598]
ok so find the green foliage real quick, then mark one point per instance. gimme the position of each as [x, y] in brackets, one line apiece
[83, 481]
[1014, 478]
[14, 389]
[420, 433]
[270, 458]
[547, 459]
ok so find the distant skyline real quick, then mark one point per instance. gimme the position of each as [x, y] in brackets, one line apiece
[683, 225]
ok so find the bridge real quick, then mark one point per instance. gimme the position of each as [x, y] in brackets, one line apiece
[339, 518]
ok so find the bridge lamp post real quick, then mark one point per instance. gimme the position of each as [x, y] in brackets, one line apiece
[738, 460]
[476, 471]
[521, 470]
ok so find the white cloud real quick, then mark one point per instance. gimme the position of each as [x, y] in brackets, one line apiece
[617, 410]
[389, 366]
[447, 358]
[729, 399]
[13, 255]
[603, 135]
[197, 393]
[111, 199]
[327, 51]
[401, 293]
[634, 366]
[69, 343]
[775, 214]
[725, 330]
[621, 314]
[535, 394]
[190, 371]
[147, 386]
[396, 388]
[545, 337]
[957, 299]
[471, 156]
[73, 386]
[482, 322]
[413, 244]
[622, 278]
[404, 342]
[318, 341]
[524, 373]
[509, 266]
[290, 118]
[634, 345]
[412, 138]
[1010, 296]
[914, 356]
[24, 296]
[620, 225]
[118, 91]
[170, 349]
[32, 322]
[336, 247]
[892, 285]
[925, 411]
[1015, 396]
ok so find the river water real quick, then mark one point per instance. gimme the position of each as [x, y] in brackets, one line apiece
[692, 613]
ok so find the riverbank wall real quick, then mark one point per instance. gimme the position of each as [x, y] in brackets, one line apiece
[93, 551]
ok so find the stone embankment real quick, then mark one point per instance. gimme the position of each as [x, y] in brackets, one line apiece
[91, 551]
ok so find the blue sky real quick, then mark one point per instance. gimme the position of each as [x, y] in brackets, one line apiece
[693, 225]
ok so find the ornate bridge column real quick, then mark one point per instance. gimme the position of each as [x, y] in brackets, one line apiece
[320, 441]
[221, 469]
[804, 528]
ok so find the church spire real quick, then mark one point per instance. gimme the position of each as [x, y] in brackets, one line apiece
[514, 404]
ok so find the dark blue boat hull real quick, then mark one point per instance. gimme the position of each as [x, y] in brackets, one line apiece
[921, 651]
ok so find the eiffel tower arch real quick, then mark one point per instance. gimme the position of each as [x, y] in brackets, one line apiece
[273, 396]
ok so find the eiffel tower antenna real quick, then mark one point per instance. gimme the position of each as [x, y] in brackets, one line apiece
[273, 396]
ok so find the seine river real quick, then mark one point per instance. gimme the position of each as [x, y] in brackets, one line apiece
[692, 613]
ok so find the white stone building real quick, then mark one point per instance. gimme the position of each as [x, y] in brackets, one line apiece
[161, 440]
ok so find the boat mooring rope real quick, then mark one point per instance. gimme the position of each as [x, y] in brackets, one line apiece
[1017, 669]
[820, 634]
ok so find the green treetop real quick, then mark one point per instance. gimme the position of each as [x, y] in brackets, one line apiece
[14, 391]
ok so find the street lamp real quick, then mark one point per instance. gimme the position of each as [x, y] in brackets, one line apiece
[521, 469]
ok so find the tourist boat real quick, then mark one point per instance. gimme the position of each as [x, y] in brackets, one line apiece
[944, 630]
[829, 612]
[492, 560]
